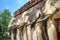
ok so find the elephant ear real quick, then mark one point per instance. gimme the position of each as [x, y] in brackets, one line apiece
[33, 16]
[57, 4]
[49, 8]
[11, 22]
[20, 21]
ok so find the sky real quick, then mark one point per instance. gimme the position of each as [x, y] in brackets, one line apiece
[12, 5]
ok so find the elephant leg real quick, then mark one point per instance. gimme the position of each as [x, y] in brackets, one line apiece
[52, 34]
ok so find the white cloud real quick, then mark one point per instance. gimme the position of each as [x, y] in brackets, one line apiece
[19, 1]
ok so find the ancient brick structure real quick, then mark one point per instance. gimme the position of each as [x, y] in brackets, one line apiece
[36, 20]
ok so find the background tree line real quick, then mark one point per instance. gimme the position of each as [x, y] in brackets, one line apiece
[5, 17]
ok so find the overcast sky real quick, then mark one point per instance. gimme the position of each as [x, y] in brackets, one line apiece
[12, 5]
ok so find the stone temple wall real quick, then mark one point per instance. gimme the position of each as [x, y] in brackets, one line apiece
[36, 22]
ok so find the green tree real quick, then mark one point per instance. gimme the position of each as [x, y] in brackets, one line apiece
[5, 17]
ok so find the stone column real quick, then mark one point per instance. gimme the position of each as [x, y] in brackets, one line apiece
[18, 34]
[52, 34]
[12, 35]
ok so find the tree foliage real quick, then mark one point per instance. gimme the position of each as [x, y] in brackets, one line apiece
[5, 17]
